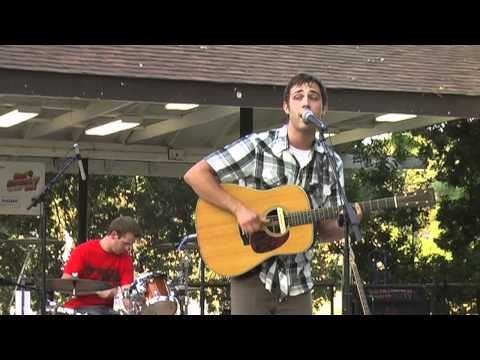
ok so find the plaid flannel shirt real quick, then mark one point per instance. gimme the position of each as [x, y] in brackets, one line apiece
[263, 161]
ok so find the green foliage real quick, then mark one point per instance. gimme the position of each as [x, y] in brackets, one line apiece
[390, 244]
[452, 149]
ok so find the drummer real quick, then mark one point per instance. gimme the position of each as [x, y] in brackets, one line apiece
[106, 260]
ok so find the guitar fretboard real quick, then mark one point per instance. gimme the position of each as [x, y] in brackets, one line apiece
[316, 215]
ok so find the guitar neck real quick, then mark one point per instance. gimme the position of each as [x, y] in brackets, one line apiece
[317, 215]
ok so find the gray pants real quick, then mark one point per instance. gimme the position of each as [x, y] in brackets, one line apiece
[249, 297]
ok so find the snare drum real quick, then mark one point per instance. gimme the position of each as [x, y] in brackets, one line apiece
[123, 305]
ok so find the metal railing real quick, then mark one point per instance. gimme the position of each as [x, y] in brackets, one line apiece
[437, 295]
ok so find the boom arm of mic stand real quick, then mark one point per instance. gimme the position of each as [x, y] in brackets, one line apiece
[41, 197]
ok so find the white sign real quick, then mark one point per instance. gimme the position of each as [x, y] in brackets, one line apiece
[19, 183]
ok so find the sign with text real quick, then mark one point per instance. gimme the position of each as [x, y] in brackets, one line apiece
[19, 182]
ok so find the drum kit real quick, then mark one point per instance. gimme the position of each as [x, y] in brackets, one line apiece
[149, 294]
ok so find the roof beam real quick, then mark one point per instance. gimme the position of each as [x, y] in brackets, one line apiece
[218, 138]
[382, 128]
[166, 168]
[93, 110]
[100, 151]
[196, 118]
[82, 86]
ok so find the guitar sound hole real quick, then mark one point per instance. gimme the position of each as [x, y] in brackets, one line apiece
[261, 241]
[274, 226]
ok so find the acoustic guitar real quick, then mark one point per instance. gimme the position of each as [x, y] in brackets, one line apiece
[228, 251]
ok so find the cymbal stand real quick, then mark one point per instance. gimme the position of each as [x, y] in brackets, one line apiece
[185, 264]
[21, 277]
[183, 289]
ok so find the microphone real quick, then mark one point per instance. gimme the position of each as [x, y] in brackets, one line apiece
[80, 163]
[309, 117]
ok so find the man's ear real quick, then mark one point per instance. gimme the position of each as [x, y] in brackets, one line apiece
[286, 108]
[114, 234]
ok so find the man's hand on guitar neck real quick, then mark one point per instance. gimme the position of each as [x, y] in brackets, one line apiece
[248, 219]
[358, 210]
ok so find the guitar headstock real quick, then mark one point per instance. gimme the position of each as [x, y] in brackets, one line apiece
[419, 198]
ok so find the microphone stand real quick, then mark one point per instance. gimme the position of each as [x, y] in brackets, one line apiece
[44, 199]
[351, 223]
[185, 265]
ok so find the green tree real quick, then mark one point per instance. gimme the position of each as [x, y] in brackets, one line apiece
[452, 151]
[390, 250]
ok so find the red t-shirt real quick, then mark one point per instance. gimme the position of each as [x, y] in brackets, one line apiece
[90, 261]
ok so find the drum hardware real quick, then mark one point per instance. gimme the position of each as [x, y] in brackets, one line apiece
[185, 268]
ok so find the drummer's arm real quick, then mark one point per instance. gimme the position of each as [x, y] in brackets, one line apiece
[111, 293]
[107, 294]
[104, 294]
[127, 276]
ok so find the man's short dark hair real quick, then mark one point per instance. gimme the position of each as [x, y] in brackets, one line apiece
[304, 78]
[123, 225]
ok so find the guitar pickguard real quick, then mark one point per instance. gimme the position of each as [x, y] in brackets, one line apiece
[261, 242]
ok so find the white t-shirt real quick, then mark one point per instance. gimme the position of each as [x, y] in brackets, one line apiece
[303, 156]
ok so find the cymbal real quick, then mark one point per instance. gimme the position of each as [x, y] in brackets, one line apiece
[82, 286]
